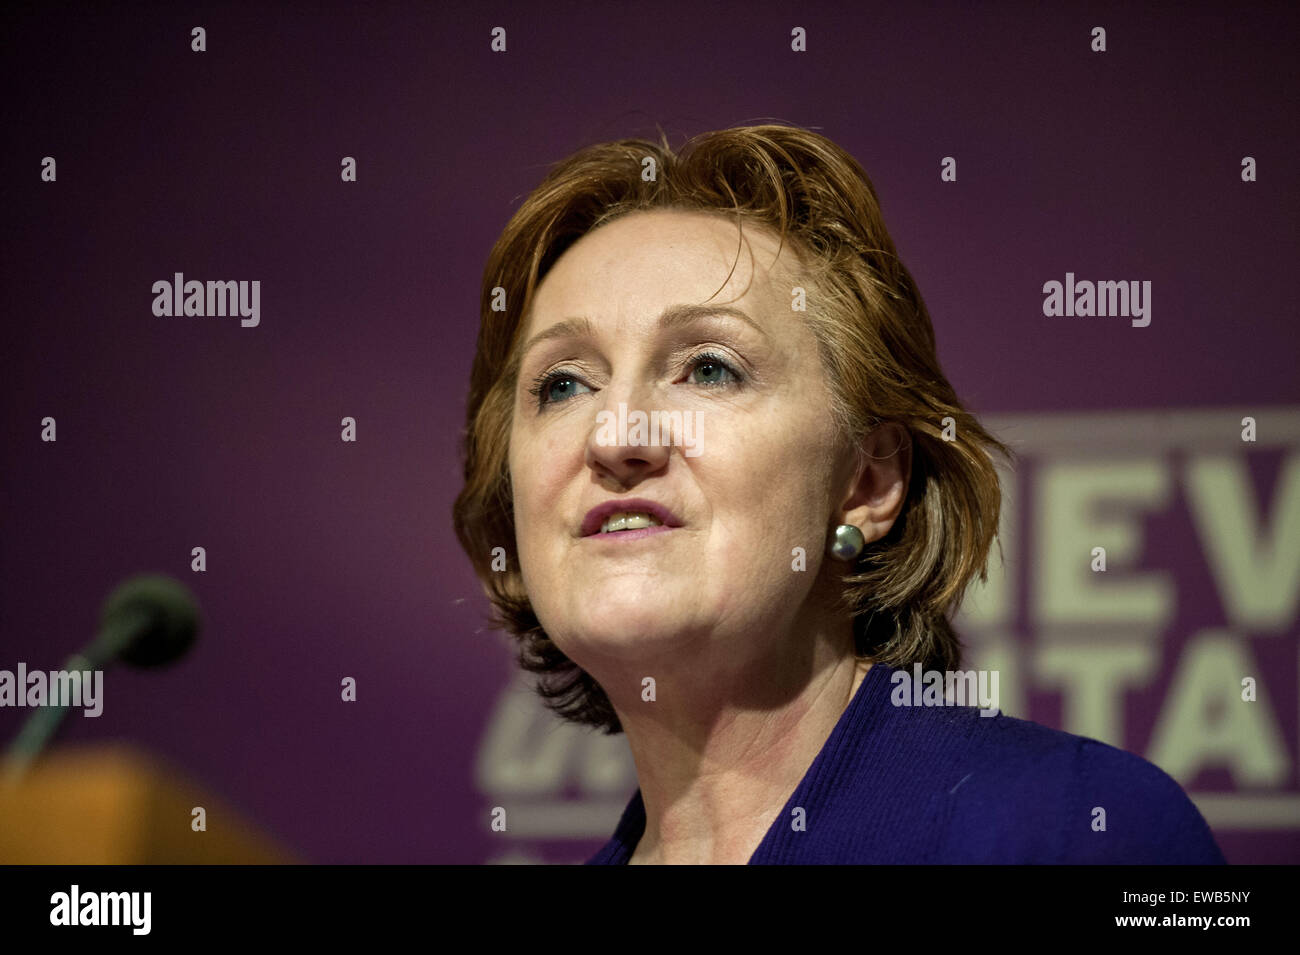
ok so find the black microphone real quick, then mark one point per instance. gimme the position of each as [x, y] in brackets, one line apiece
[150, 620]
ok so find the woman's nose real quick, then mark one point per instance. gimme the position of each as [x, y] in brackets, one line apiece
[626, 440]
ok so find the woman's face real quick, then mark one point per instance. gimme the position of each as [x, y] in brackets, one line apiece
[763, 476]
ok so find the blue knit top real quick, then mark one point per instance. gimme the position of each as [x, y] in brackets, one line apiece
[943, 784]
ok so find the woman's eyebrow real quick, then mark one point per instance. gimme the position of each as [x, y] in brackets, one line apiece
[674, 316]
[569, 328]
[677, 315]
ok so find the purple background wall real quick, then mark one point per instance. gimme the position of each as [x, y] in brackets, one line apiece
[329, 559]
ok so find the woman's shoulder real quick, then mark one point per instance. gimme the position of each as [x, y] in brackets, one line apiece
[1012, 790]
[1135, 811]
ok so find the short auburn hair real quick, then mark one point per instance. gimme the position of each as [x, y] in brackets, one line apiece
[876, 344]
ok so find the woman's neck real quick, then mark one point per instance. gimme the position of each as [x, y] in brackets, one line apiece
[713, 801]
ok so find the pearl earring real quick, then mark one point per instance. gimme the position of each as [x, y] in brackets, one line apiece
[847, 542]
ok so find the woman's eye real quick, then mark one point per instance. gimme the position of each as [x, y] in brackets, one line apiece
[706, 369]
[711, 370]
[559, 388]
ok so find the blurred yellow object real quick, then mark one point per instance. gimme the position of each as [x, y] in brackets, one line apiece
[113, 805]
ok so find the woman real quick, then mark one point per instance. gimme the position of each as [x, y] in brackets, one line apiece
[719, 488]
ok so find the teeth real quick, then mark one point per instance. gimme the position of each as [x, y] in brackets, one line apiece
[628, 521]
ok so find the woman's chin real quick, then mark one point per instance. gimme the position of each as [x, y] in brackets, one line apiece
[629, 631]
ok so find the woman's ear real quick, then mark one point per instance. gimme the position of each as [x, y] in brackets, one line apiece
[879, 488]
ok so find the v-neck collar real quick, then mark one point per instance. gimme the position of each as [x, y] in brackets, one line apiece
[852, 722]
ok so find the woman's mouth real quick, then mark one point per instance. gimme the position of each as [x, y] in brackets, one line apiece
[628, 518]
[628, 521]
[631, 535]
[630, 526]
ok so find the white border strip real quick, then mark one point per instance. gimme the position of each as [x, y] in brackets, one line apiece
[1152, 432]
[1242, 812]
